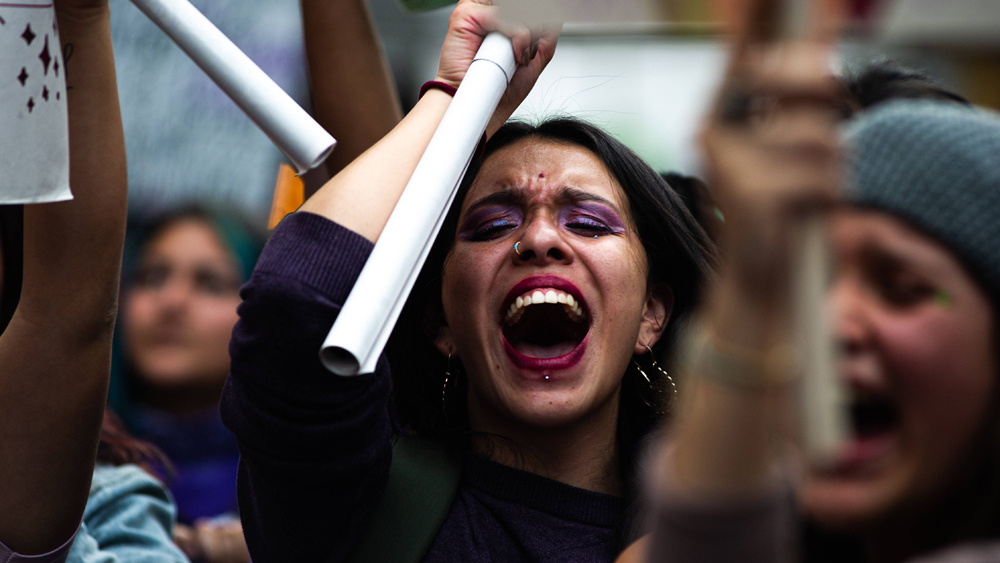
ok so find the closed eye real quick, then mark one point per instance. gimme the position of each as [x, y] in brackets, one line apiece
[894, 282]
[587, 225]
[493, 228]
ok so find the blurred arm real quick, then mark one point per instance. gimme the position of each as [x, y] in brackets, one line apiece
[56, 352]
[353, 93]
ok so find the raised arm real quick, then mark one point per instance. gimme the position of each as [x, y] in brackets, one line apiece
[362, 196]
[56, 352]
[353, 93]
[771, 152]
[315, 448]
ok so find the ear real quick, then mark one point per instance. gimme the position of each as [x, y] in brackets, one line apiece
[444, 341]
[655, 316]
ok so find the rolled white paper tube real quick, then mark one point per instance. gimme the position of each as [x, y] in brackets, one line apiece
[362, 329]
[824, 396]
[288, 126]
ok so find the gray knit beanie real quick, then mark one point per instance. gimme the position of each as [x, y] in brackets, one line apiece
[937, 166]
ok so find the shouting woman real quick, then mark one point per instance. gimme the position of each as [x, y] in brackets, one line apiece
[525, 352]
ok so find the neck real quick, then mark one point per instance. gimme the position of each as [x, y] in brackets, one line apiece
[890, 546]
[179, 398]
[582, 453]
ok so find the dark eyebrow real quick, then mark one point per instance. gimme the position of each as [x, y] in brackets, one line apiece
[515, 196]
[577, 195]
[506, 196]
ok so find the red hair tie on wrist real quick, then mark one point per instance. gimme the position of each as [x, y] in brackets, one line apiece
[437, 85]
[450, 90]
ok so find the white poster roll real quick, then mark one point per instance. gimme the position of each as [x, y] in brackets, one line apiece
[370, 312]
[825, 399]
[288, 126]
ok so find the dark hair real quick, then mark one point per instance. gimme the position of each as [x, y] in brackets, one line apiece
[680, 255]
[885, 80]
[697, 198]
[12, 248]
[118, 447]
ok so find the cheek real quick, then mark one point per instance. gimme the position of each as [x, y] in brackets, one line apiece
[620, 272]
[138, 313]
[943, 369]
[466, 283]
[214, 318]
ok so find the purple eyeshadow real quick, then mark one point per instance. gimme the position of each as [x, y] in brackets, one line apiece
[593, 213]
[481, 217]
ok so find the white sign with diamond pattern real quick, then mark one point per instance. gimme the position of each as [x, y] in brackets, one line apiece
[34, 136]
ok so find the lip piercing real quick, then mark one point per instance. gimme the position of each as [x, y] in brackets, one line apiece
[516, 251]
[546, 378]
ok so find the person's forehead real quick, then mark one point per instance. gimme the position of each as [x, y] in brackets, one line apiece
[544, 166]
[188, 237]
[856, 229]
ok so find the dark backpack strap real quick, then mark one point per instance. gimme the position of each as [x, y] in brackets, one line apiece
[423, 481]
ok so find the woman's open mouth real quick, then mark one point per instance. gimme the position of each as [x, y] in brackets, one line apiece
[873, 415]
[544, 324]
[875, 423]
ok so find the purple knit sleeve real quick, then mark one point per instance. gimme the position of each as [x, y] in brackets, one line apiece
[315, 447]
[57, 555]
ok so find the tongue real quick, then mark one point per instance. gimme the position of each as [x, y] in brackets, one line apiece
[538, 351]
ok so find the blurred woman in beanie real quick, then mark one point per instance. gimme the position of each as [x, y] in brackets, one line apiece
[914, 304]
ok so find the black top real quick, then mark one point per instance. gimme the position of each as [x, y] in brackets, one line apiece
[316, 447]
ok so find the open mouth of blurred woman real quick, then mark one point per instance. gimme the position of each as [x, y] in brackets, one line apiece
[544, 324]
[876, 424]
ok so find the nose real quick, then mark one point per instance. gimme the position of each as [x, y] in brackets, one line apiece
[175, 294]
[542, 243]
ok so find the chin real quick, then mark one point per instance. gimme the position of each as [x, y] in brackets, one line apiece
[167, 372]
[850, 503]
[553, 408]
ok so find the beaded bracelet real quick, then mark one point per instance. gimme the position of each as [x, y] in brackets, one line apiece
[450, 90]
[705, 356]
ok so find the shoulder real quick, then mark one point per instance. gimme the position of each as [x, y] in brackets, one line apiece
[983, 552]
[129, 517]
[112, 484]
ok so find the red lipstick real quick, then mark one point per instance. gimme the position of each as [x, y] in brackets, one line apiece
[565, 361]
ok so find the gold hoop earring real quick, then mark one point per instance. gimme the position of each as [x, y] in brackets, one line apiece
[654, 387]
[444, 388]
[516, 245]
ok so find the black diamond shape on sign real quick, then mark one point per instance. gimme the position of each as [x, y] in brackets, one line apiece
[28, 35]
[3, 22]
[57, 94]
[55, 67]
[23, 77]
[31, 104]
[45, 93]
[45, 56]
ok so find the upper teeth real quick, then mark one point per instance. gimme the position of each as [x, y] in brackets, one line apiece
[536, 296]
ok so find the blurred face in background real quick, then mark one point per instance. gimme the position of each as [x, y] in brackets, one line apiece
[180, 311]
[917, 334]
